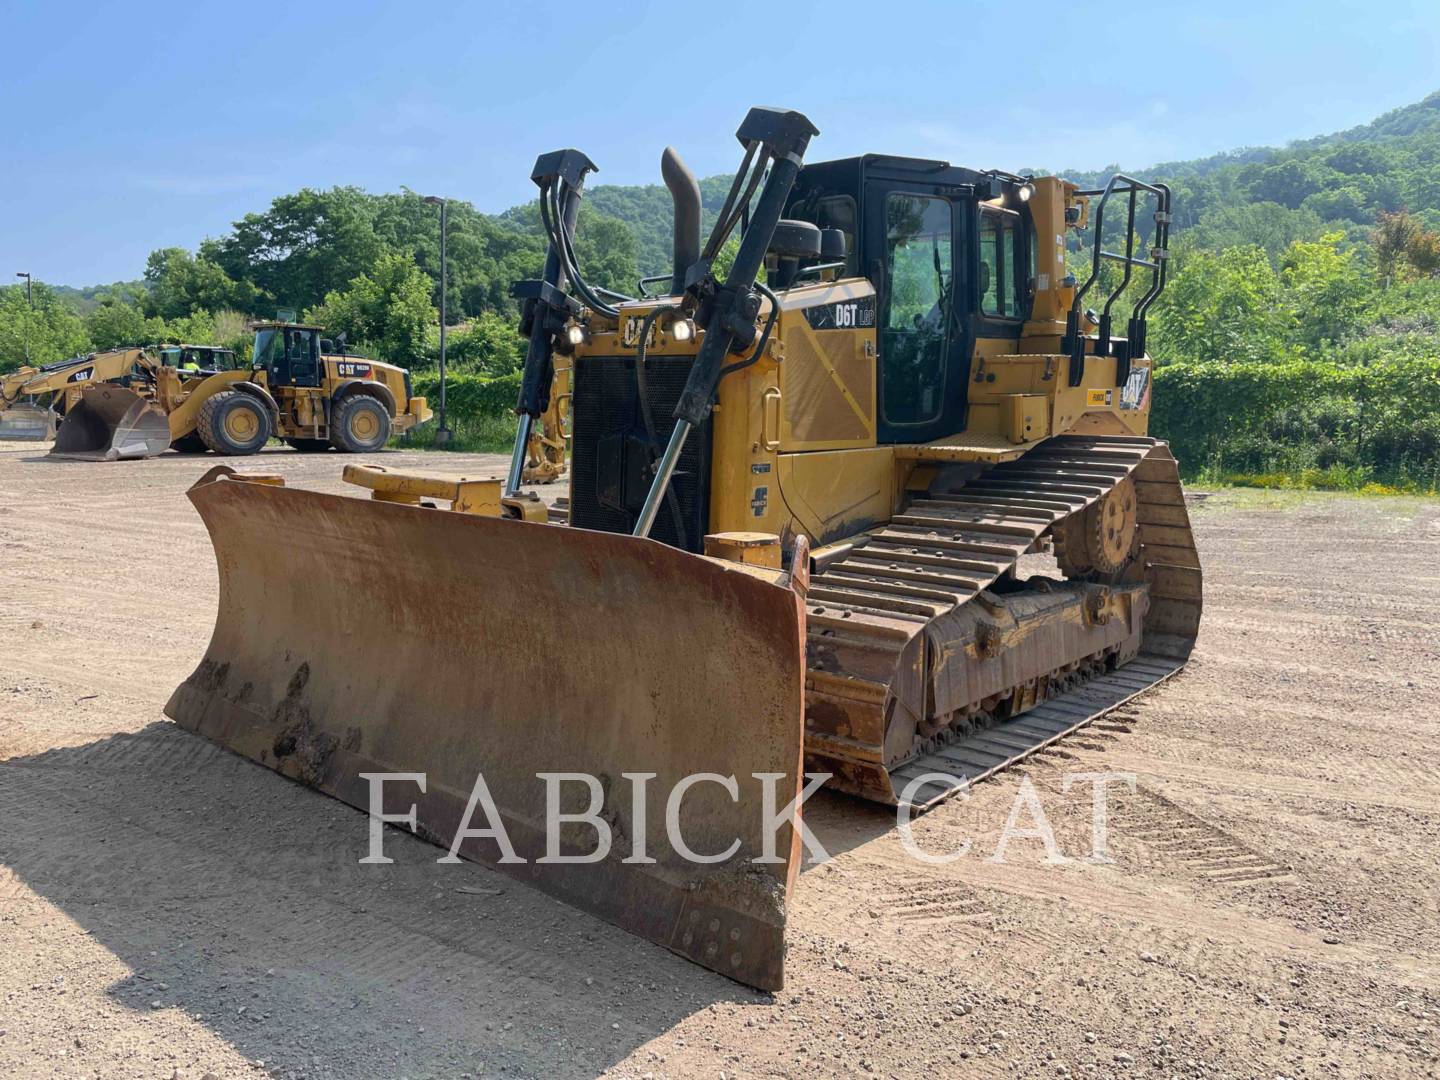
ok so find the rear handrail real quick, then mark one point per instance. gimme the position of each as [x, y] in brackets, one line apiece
[1157, 263]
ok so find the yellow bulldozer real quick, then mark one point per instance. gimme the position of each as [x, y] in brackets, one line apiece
[300, 387]
[887, 514]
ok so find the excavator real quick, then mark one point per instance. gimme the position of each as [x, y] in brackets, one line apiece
[34, 400]
[877, 506]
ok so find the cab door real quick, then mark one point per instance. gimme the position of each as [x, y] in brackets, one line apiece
[913, 237]
[302, 351]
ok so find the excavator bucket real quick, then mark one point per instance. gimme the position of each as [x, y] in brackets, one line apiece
[110, 423]
[359, 637]
[27, 423]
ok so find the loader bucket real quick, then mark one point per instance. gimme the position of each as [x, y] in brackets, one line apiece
[110, 423]
[27, 423]
[357, 637]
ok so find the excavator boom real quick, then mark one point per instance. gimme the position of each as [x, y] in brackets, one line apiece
[61, 385]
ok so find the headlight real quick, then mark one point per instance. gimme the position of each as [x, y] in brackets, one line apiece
[575, 334]
[682, 330]
[1026, 190]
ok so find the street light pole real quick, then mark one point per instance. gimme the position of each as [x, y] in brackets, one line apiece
[30, 300]
[442, 433]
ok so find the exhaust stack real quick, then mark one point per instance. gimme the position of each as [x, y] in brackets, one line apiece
[685, 192]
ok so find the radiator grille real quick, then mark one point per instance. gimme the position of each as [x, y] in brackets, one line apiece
[610, 449]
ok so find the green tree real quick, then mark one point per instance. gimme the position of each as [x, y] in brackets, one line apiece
[53, 330]
[485, 255]
[1288, 183]
[304, 247]
[606, 249]
[1270, 225]
[387, 309]
[115, 323]
[1346, 203]
[1326, 290]
[489, 345]
[1223, 306]
[181, 284]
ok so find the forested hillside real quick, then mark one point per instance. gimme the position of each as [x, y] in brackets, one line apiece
[1300, 331]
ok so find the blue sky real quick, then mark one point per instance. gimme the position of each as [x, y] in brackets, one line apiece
[128, 127]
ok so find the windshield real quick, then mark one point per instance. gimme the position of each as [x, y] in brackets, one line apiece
[268, 345]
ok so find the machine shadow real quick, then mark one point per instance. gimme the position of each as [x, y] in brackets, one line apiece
[841, 823]
[236, 896]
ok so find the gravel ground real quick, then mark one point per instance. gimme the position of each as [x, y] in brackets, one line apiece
[1273, 907]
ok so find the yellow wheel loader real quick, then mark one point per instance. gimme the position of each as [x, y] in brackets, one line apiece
[890, 515]
[299, 387]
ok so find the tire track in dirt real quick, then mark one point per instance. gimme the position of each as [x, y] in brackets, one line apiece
[1173, 835]
[1419, 801]
[145, 838]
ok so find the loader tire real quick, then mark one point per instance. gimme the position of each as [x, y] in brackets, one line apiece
[359, 424]
[308, 445]
[189, 444]
[234, 423]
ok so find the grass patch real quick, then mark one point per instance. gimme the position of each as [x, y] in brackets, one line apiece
[1354, 480]
[468, 434]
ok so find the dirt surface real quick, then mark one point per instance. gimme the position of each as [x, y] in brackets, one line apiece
[167, 909]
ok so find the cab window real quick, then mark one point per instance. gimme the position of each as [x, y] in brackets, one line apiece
[915, 323]
[269, 347]
[1000, 265]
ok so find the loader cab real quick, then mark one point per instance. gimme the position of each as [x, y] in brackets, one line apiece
[948, 252]
[288, 353]
[197, 359]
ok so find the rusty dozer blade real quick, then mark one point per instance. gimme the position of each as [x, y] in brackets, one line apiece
[110, 423]
[27, 423]
[360, 636]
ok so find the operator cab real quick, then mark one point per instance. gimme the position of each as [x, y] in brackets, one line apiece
[289, 353]
[197, 359]
[949, 251]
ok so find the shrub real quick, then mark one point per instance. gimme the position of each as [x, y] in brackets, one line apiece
[1342, 424]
